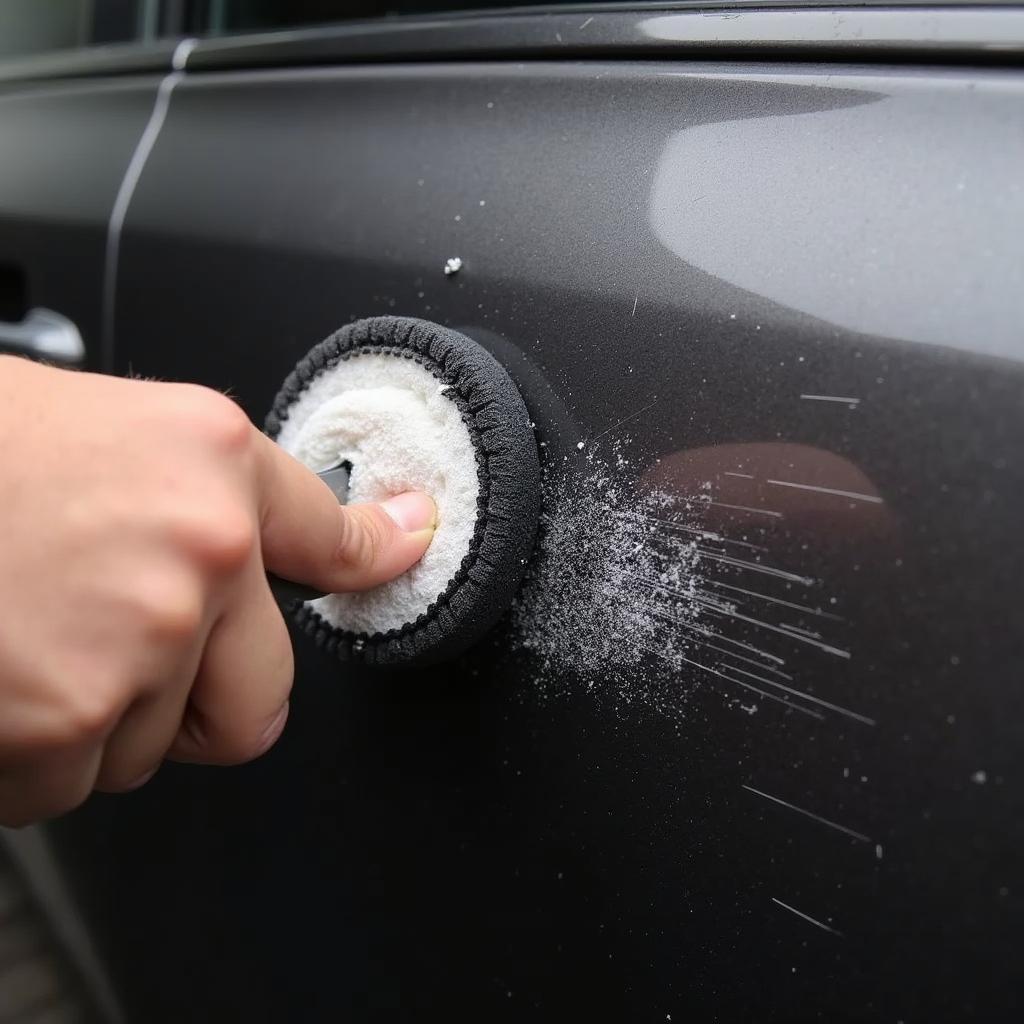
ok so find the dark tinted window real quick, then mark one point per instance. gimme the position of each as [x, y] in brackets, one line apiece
[38, 26]
[253, 15]
[35, 26]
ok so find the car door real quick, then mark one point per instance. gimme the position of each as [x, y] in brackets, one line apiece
[67, 144]
[747, 747]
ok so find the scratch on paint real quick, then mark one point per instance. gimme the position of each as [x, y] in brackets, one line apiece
[827, 648]
[729, 640]
[767, 696]
[801, 630]
[767, 570]
[807, 917]
[631, 416]
[777, 600]
[671, 524]
[747, 508]
[740, 657]
[832, 398]
[839, 709]
[874, 498]
[635, 301]
[728, 540]
[768, 682]
[815, 817]
[647, 567]
[735, 682]
[703, 631]
[586, 23]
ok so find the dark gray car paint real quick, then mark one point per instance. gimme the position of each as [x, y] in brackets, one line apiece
[722, 239]
[64, 152]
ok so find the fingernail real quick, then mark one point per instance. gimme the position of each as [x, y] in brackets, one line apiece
[274, 730]
[412, 511]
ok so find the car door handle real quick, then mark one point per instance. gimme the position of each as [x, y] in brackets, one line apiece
[43, 334]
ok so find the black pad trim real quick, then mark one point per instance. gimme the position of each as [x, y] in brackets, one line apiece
[508, 503]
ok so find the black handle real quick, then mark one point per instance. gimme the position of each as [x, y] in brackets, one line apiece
[287, 592]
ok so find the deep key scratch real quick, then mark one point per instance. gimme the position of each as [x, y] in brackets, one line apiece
[827, 648]
[777, 600]
[815, 817]
[631, 416]
[832, 398]
[837, 708]
[852, 495]
[807, 917]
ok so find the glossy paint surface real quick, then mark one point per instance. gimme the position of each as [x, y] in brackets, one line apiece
[792, 299]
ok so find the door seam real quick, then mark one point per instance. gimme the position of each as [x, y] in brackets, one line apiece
[125, 192]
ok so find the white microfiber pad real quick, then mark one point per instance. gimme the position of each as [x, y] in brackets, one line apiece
[408, 403]
[393, 421]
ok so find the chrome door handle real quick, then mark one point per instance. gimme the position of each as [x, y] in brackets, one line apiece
[43, 334]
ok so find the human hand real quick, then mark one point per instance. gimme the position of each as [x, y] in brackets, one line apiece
[136, 623]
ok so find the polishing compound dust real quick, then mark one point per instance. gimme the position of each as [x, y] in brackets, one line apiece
[613, 587]
[638, 597]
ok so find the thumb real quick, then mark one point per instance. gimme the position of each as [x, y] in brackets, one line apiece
[307, 537]
[376, 543]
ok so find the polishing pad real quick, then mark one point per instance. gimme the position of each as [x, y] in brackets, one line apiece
[411, 405]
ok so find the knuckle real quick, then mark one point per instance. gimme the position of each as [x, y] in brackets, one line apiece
[230, 539]
[221, 420]
[176, 615]
[216, 533]
[74, 705]
[164, 604]
[74, 717]
[88, 714]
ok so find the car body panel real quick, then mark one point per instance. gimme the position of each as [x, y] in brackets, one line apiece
[787, 298]
[66, 148]
[726, 242]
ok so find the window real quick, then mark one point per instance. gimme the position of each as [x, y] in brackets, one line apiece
[254, 15]
[38, 26]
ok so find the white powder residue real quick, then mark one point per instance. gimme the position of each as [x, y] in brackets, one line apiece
[642, 595]
[614, 590]
[393, 421]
